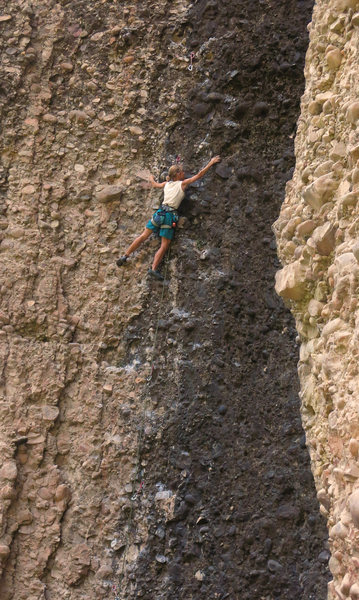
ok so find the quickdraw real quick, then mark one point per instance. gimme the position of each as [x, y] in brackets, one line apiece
[116, 592]
[190, 67]
[136, 494]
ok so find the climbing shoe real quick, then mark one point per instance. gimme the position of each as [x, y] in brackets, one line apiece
[155, 274]
[121, 261]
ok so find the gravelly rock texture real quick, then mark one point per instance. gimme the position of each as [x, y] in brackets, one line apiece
[317, 234]
[151, 443]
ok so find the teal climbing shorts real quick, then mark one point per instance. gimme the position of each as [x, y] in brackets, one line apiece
[163, 223]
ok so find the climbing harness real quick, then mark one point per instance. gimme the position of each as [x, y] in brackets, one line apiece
[159, 218]
[190, 67]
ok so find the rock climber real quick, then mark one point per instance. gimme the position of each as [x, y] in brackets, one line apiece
[164, 220]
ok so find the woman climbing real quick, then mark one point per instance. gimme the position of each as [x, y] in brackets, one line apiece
[165, 218]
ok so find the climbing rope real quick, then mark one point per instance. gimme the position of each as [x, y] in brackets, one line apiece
[138, 475]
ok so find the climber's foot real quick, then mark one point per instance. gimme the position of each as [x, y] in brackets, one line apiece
[155, 274]
[121, 261]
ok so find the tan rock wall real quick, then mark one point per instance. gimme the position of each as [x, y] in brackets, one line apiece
[76, 90]
[318, 244]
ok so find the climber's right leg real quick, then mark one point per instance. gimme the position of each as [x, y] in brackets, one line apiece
[135, 244]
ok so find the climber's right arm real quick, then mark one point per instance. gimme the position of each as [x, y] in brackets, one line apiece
[155, 184]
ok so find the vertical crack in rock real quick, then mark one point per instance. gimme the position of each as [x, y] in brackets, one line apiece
[129, 467]
[317, 234]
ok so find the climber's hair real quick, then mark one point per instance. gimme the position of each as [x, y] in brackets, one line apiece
[174, 171]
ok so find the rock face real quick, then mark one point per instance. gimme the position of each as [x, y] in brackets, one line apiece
[317, 234]
[151, 444]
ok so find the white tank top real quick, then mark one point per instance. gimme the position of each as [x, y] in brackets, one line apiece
[173, 194]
